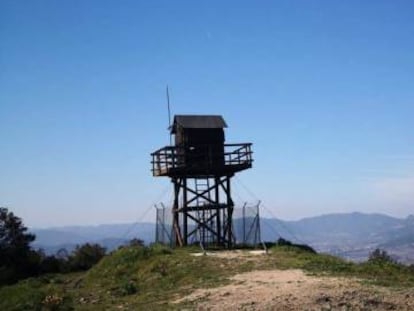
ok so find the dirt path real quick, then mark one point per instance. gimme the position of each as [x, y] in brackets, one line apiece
[294, 290]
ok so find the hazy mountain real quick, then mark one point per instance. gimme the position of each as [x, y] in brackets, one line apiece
[110, 236]
[352, 235]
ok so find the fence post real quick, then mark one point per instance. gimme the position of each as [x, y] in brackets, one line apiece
[244, 222]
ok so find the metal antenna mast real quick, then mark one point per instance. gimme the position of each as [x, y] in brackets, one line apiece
[169, 114]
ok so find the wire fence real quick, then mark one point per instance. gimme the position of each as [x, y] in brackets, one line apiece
[246, 227]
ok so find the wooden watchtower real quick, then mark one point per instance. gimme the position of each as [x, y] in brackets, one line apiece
[201, 166]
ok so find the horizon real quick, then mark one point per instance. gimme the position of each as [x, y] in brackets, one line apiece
[322, 89]
[261, 217]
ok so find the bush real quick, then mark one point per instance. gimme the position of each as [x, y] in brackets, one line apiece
[85, 256]
[269, 244]
[136, 243]
[128, 288]
[303, 247]
[380, 256]
[52, 264]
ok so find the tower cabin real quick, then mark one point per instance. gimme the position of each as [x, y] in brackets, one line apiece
[200, 149]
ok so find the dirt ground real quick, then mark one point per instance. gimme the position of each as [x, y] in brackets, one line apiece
[294, 290]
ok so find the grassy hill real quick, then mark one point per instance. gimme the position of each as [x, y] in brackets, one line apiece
[134, 278]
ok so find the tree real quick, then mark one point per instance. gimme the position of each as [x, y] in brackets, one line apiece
[17, 260]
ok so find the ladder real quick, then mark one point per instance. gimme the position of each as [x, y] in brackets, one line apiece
[202, 185]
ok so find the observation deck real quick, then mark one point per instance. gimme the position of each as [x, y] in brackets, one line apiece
[201, 160]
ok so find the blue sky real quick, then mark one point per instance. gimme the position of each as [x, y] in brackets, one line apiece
[323, 89]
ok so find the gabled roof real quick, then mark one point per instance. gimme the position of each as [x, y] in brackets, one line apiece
[198, 121]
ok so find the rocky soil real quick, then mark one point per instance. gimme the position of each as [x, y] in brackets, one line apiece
[294, 290]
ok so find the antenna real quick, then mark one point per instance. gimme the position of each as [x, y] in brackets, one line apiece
[169, 115]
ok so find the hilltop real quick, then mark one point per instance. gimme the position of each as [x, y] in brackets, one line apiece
[158, 278]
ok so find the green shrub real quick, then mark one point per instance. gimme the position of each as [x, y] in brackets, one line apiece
[128, 288]
[380, 256]
[86, 256]
[303, 247]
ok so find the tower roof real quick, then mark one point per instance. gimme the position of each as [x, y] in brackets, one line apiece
[198, 121]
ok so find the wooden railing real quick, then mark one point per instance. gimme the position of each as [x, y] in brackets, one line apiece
[175, 159]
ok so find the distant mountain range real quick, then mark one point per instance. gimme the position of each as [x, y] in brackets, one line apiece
[352, 236]
[110, 236]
